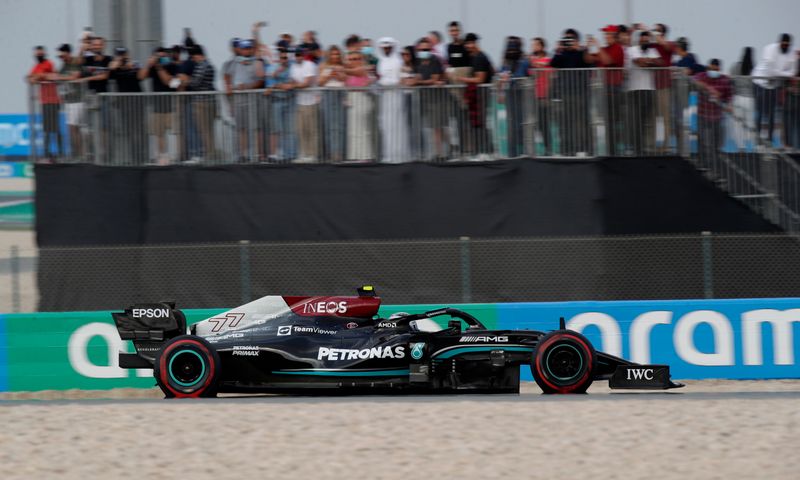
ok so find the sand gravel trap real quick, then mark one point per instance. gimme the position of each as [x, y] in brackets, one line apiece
[699, 434]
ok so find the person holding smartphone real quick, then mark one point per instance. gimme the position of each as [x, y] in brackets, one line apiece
[162, 70]
[572, 83]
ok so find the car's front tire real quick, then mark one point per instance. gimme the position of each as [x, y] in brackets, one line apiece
[187, 367]
[563, 362]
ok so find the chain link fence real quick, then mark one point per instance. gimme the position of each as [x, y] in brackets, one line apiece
[406, 271]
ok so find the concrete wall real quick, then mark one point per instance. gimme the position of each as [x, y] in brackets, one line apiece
[717, 28]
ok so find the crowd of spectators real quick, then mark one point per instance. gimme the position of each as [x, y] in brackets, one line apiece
[280, 112]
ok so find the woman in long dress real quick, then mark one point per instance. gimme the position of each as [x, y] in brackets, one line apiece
[394, 128]
[359, 112]
[332, 77]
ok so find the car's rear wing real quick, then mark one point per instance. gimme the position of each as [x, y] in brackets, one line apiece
[148, 325]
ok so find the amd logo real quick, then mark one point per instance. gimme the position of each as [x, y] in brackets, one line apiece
[640, 373]
[325, 307]
[150, 312]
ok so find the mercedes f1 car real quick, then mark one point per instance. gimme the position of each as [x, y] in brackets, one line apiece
[282, 344]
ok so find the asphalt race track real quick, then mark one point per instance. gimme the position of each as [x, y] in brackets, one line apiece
[709, 429]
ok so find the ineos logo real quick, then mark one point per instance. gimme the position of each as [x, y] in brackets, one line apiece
[325, 307]
[640, 373]
[150, 312]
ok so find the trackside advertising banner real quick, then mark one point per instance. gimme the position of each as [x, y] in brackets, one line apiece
[739, 339]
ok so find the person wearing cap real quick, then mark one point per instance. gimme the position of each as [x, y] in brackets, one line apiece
[394, 128]
[247, 73]
[71, 72]
[41, 78]
[129, 118]
[612, 58]
[573, 88]
[777, 63]
[715, 91]
[227, 67]
[476, 96]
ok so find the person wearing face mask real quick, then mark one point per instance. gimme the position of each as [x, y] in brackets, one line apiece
[41, 79]
[641, 94]
[777, 60]
[715, 93]
[369, 52]
[515, 66]
[433, 103]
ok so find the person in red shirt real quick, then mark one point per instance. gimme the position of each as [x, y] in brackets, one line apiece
[612, 57]
[541, 72]
[42, 77]
[664, 102]
[715, 93]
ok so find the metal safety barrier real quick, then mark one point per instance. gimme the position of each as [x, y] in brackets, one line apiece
[749, 146]
[568, 112]
[552, 112]
[745, 143]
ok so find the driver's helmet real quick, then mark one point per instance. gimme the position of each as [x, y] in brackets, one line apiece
[397, 315]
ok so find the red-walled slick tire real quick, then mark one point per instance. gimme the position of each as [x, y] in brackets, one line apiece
[563, 362]
[187, 367]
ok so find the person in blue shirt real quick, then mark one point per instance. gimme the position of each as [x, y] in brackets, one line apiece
[688, 62]
[283, 144]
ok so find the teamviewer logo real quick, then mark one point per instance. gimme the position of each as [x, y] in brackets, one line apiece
[284, 330]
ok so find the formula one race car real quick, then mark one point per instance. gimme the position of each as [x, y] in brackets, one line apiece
[282, 344]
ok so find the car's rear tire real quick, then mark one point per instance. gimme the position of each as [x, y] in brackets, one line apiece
[563, 362]
[187, 367]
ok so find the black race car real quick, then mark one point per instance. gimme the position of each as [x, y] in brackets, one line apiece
[282, 344]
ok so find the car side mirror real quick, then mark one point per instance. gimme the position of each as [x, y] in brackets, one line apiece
[454, 325]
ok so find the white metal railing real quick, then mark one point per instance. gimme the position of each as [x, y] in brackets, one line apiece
[581, 112]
